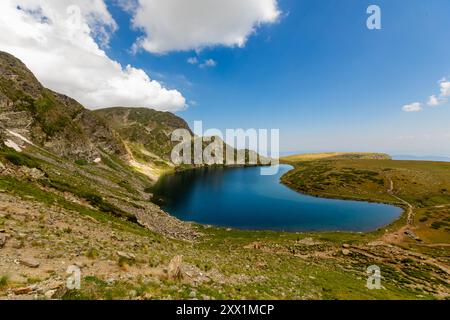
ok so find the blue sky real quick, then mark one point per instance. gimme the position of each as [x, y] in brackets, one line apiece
[317, 74]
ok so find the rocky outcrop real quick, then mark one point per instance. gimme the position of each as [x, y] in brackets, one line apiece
[50, 119]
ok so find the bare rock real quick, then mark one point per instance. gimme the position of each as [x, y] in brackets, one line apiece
[174, 271]
[126, 255]
[24, 290]
[50, 294]
[2, 240]
[30, 262]
[59, 292]
[17, 244]
[33, 173]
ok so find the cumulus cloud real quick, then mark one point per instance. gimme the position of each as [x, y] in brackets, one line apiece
[192, 60]
[413, 107]
[62, 44]
[179, 25]
[434, 101]
[208, 63]
[445, 87]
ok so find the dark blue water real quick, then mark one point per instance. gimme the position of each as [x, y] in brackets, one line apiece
[242, 198]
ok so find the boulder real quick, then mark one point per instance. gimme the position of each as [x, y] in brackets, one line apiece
[345, 252]
[29, 262]
[126, 255]
[24, 290]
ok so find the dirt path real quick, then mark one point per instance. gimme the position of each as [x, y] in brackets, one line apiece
[399, 235]
[410, 212]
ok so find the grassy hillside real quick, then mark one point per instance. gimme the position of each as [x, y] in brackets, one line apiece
[422, 183]
[422, 188]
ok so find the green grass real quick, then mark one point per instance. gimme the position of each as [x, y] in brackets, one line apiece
[3, 281]
[421, 183]
[19, 159]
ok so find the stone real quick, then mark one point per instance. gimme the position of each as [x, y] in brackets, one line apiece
[345, 245]
[50, 294]
[174, 270]
[17, 244]
[2, 240]
[24, 290]
[126, 255]
[60, 292]
[29, 262]
[33, 173]
[345, 252]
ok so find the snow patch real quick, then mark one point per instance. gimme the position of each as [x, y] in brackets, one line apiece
[21, 137]
[12, 144]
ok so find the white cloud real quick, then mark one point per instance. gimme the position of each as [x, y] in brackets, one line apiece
[192, 60]
[434, 101]
[61, 47]
[179, 25]
[445, 87]
[413, 107]
[208, 63]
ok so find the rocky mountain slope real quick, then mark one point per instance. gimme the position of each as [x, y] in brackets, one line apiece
[49, 119]
[58, 146]
[146, 133]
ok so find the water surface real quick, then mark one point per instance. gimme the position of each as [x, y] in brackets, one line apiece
[242, 198]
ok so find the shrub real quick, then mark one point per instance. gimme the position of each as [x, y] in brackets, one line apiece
[3, 281]
[20, 159]
[81, 162]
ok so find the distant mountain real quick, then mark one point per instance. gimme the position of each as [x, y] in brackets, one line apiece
[145, 132]
[421, 158]
[337, 156]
